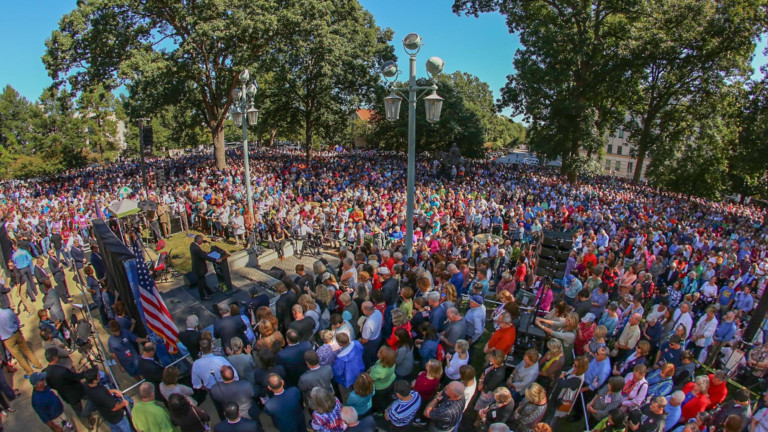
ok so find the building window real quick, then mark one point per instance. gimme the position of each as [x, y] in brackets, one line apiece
[607, 164]
[610, 149]
[619, 150]
[618, 166]
[621, 133]
[630, 165]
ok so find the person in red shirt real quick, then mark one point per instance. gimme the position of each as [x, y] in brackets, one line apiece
[590, 257]
[696, 399]
[718, 389]
[520, 272]
[427, 383]
[504, 338]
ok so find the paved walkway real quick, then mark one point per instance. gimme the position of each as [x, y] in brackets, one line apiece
[181, 301]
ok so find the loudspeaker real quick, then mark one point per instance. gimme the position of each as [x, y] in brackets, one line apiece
[547, 253]
[147, 140]
[160, 176]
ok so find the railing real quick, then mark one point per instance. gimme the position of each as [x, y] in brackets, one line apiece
[136, 385]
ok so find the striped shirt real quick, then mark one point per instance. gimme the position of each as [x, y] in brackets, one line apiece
[401, 413]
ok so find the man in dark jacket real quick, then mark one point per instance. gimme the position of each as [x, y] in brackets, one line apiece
[228, 326]
[235, 423]
[292, 357]
[78, 258]
[199, 267]
[316, 376]
[285, 406]
[191, 337]
[67, 383]
[284, 304]
[149, 368]
[58, 276]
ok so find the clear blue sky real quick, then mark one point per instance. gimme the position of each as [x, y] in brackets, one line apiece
[481, 46]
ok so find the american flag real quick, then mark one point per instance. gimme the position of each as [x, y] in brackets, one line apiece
[156, 316]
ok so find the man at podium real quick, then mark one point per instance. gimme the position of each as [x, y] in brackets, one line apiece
[199, 268]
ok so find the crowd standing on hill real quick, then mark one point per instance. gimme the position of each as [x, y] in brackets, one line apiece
[645, 323]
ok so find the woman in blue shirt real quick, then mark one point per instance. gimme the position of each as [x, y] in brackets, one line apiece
[361, 396]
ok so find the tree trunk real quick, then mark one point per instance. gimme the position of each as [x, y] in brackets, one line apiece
[272, 134]
[219, 150]
[642, 149]
[308, 138]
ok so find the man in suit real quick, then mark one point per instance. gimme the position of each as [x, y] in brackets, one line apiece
[670, 276]
[78, 258]
[304, 325]
[285, 406]
[292, 357]
[98, 263]
[41, 276]
[228, 326]
[58, 276]
[199, 268]
[149, 368]
[239, 392]
[191, 337]
[316, 376]
[66, 382]
[284, 304]
[235, 423]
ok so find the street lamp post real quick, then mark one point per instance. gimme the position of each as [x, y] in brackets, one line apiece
[433, 104]
[242, 102]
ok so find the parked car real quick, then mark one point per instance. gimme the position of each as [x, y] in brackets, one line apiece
[531, 160]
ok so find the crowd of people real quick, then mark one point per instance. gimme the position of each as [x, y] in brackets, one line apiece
[642, 333]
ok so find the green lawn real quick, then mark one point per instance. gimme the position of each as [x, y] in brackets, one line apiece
[178, 247]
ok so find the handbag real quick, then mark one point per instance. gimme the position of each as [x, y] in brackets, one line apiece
[205, 425]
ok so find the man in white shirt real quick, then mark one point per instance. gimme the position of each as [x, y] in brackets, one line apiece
[682, 317]
[703, 332]
[370, 335]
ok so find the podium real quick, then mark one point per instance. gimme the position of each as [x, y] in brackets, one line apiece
[221, 269]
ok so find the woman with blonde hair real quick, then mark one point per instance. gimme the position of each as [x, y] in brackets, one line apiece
[567, 335]
[531, 410]
[598, 341]
[449, 295]
[500, 410]
[456, 360]
[567, 389]
[551, 364]
[503, 297]
[399, 320]
[383, 375]
[269, 337]
[493, 377]
[428, 381]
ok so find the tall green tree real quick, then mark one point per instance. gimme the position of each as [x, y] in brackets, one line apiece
[686, 49]
[570, 73]
[498, 130]
[328, 67]
[60, 130]
[458, 124]
[15, 113]
[748, 168]
[166, 51]
[98, 108]
[694, 154]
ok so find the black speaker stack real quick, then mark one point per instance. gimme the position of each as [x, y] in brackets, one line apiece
[553, 251]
